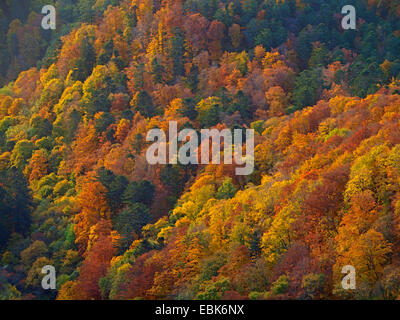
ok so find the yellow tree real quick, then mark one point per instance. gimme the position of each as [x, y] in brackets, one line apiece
[38, 165]
[277, 100]
[369, 255]
[93, 202]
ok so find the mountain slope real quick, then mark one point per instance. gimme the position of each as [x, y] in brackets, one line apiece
[77, 192]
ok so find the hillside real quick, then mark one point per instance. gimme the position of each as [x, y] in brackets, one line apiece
[78, 193]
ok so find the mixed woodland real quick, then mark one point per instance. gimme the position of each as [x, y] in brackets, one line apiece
[77, 193]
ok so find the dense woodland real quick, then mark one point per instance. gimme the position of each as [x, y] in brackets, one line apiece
[77, 192]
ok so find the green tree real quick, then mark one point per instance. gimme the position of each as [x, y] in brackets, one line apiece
[308, 88]
[208, 111]
[138, 191]
[226, 190]
[129, 222]
[176, 51]
[21, 153]
[143, 103]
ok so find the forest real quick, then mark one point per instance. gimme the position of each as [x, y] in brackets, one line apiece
[77, 193]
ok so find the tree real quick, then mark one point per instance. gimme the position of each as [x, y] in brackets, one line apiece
[215, 34]
[102, 121]
[226, 190]
[208, 111]
[280, 286]
[116, 191]
[106, 53]
[129, 223]
[94, 207]
[265, 38]
[157, 70]
[35, 274]
[370, 255]
[195, 26]
[308, 88]
[15, 204]
[36, 250]
[193, 78]
[236, 35]
[277, 100]
[143, 103]
[85, 146]
[96, 91]
[86, 61]
[38, 165]
[313, 285]
[138, 191]
[176, 51]
[94, 267]
[319, 57]
[21, 153]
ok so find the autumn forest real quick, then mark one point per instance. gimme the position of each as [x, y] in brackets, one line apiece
[76, 190]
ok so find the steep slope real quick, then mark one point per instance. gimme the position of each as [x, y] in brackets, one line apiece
[77, 192]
